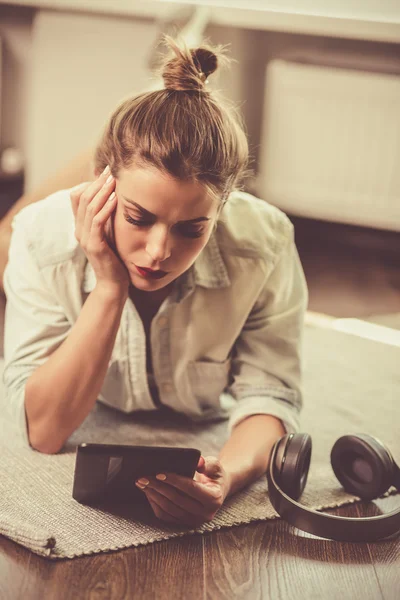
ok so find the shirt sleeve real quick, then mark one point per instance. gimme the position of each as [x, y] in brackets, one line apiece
[35, 324]
[267, 359]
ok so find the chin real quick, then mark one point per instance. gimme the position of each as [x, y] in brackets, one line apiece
[151, 284]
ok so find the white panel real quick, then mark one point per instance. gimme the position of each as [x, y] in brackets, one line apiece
[82, 66]
[331, 144]
[385, 10]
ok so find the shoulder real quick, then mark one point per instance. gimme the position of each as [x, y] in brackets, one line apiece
[48, 228]
[251, 226]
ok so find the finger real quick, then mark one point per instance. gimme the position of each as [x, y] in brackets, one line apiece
[109, 226]
[160, 514]
[174, 495]
[99, 199]
[171, 509]
[75, 195]
[97, 231]
[89, 193]
[199, 491]
[96, 204]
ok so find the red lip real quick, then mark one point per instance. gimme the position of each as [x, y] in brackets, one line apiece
[151, 270]
[157, 274]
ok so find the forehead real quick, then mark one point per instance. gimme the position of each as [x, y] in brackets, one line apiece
[159, 192]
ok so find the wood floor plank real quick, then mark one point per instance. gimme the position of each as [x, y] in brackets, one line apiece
[272, 560]
[385, 554]
[20, 572]
[232, 562]
[162, 570]
[151, 571]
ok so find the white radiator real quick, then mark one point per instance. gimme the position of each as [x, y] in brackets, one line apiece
[330, 146]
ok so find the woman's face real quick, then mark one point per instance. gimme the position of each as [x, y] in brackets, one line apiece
[153, 224]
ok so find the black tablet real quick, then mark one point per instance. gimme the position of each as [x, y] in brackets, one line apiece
[109, 471]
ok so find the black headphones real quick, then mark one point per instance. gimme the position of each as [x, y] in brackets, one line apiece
[364, 467]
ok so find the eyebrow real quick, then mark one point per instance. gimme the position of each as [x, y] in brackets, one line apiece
[149, 214]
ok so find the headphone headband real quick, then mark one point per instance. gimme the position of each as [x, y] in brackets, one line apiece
[292, 452]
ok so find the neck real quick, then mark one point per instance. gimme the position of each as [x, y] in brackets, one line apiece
[151, 297]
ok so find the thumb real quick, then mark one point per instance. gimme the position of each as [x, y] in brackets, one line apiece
[211, 467]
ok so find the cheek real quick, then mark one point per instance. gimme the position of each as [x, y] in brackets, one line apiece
[200, 244]
[190, 250]
[196, 245]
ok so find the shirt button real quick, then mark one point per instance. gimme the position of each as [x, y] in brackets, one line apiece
[163, 321]
[167, 387]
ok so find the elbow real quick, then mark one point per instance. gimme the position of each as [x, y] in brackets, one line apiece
[44, 448]
[42, 443]
[38, 435]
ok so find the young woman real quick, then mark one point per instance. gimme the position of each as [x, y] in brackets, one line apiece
[160, 286]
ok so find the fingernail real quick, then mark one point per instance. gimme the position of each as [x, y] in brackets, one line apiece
[106, 170]
[161, 477]
[143, 481]
[142, 487]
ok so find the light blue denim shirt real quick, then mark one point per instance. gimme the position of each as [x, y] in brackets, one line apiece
[226, 343]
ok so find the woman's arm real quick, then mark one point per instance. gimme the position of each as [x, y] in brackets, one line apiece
[245, 456]
[267, 362]
[78, 170]
[61, 393]
[267, 369]
[54, 369]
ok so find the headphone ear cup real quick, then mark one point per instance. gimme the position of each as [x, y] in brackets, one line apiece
[294, 464]
[363, 465]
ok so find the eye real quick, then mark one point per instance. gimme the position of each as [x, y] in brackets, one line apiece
[135, 222]
[186, 231]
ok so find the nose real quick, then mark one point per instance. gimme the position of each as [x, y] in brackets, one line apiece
[158, 245]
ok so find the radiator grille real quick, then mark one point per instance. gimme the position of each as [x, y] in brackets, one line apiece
[330, 145]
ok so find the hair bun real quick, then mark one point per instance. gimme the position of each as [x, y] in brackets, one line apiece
[205, 60]
[189, 68]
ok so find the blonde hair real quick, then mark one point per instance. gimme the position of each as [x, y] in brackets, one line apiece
[184, 130]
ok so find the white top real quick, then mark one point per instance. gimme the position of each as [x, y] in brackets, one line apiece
[225, 343]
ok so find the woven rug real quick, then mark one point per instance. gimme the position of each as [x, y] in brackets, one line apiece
[351, 386]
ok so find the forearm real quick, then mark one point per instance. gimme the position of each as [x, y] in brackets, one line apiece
[245, 456]
[60, 393]
[76, 171]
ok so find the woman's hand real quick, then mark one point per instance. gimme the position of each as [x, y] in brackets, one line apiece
[184, 501]
[93, 204]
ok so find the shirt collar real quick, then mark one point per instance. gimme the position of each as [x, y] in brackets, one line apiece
[208, 270]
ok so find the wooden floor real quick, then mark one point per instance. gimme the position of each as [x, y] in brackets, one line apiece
[350, 273]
